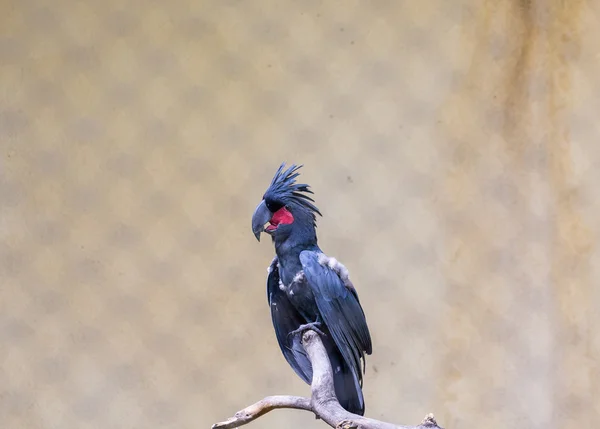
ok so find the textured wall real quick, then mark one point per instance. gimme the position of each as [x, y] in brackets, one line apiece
[454, 148]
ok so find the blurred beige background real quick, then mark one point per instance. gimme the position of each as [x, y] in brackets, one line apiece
[454, 148]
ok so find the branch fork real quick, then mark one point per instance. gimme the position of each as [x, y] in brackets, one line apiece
[323, 402]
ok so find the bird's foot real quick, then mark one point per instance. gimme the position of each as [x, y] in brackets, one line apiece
[309, 326]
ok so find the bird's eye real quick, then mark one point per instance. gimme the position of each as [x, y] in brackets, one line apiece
[273, 206]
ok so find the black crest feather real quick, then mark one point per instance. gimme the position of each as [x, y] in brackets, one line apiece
[284, 189]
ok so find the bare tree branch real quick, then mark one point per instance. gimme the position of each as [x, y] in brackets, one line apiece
[263, 406]
[323, 402]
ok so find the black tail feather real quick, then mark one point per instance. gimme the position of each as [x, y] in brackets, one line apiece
[345, 380]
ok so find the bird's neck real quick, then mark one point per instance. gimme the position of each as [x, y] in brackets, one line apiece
[288, 253]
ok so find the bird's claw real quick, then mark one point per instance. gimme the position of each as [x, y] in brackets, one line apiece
[309, 326]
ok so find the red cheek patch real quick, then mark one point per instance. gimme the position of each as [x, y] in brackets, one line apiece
[281, 217]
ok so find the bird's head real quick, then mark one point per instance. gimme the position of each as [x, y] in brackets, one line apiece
[285, 206]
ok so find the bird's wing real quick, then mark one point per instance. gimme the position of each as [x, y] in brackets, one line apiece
[285, 320]
[339, 308]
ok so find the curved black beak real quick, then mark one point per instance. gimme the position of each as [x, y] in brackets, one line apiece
[260, 217]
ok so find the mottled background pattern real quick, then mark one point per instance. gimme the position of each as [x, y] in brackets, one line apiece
[454, 148]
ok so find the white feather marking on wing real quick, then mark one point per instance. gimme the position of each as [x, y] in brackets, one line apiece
[322, 259]
[270, 267]
[334, 265]
[298, 277]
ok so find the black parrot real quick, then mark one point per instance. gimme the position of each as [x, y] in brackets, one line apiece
[308, 290]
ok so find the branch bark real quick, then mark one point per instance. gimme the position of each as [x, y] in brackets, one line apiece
[323, 402]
